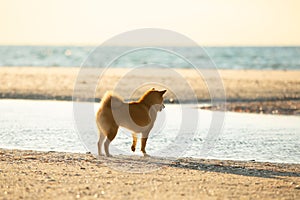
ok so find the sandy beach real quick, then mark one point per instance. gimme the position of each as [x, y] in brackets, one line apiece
[48, 175]
[258, 91]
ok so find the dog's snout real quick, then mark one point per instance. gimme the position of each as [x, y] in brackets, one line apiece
[162, 107]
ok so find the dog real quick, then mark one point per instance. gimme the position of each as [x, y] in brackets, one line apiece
[138, 116]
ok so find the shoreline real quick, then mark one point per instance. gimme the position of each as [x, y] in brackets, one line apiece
[254, 91]
[274, 107]
[33, 174]
[140, 156]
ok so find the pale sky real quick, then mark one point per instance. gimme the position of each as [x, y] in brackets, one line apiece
[209, 22]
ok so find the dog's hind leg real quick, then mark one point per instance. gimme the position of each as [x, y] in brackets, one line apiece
[134, 140]
[106, 147]
[100, 143]
[110, 136]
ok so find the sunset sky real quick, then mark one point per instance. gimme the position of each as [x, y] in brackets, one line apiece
[209, 22]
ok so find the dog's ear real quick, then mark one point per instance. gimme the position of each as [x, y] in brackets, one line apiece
[162, 92]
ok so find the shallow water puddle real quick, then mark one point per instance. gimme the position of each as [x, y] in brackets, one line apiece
[50, 125]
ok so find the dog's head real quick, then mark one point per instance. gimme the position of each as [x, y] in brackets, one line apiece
[155, 98]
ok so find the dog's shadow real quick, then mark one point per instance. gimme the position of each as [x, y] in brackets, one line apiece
[138, 164]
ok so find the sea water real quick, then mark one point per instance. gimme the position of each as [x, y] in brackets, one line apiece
[287, 58]
[50, 126]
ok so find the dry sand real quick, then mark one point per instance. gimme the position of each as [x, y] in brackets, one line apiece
[268, 91]
[54, 175]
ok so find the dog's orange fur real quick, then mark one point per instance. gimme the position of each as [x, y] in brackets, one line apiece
[139, 117]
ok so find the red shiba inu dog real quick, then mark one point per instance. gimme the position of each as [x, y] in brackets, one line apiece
[139, 117]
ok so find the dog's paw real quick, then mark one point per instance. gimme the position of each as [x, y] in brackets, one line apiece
[146, 155]
[133, 148]
[109, 155]
[100, 155]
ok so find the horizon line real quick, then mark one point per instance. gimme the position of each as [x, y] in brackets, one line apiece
[95, 45]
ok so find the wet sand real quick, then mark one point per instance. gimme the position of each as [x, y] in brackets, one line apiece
[56, 175]
[259, 91]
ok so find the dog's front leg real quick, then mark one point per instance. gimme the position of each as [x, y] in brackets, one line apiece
[144, 142]
[134, 140]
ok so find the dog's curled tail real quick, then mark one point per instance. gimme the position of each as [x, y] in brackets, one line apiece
[111, 99]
